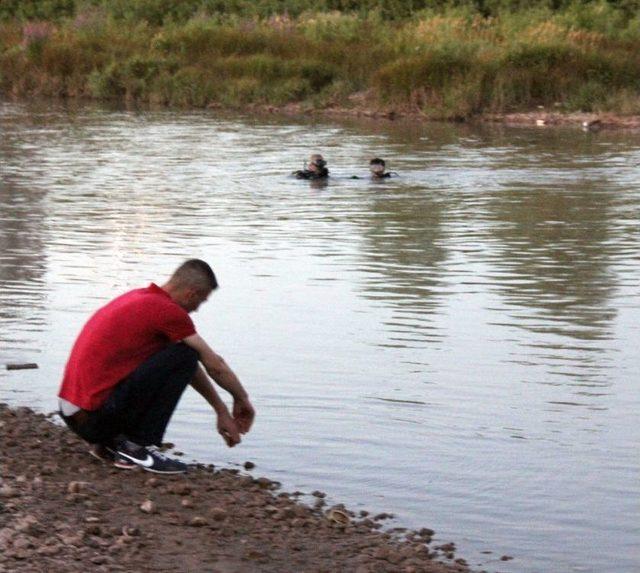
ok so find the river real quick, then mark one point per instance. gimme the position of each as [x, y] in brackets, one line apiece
[454, 345]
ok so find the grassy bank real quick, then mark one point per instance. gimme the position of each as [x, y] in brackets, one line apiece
[436, 58]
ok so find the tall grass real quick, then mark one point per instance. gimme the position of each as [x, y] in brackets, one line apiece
[443, 62]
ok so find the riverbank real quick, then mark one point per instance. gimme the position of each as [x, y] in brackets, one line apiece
[60, 509]
[539, 118]
[451, 64]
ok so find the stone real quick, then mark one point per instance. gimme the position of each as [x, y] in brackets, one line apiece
[29, 525]
[78, 487]
[7, 492]
[48, 550]
[148, 506]
[218, 513]
[93, 529]
[197, 521]
[181, 489]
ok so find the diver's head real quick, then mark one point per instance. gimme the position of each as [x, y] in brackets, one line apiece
[316, 162]
[377, 166]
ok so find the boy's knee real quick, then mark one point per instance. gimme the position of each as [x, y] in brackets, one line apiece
[187, 354]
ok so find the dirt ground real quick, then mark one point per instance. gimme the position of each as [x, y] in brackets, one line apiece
[62, 510]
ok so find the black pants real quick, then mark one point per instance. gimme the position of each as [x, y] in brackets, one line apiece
[141, 405]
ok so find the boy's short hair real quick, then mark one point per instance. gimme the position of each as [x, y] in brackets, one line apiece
[195, 273]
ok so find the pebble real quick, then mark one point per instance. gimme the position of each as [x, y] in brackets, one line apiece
[92, 519]
[264, 482]
[48, 550]
[197, 521]
[186, 502]
[218, 513]
[7, 491]
[249, 465]
[78, 486]
[181, 489]
[148, 506]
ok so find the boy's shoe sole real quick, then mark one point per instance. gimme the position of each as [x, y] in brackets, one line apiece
[105, 454]
[100, 452]
[123, 464]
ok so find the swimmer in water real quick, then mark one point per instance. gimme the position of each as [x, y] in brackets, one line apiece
[315, 169]
[377, 168]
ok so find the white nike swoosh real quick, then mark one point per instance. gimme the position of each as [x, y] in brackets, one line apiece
[147, 462]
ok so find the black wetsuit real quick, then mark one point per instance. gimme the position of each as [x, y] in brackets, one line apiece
[308, 174]
[374, 177]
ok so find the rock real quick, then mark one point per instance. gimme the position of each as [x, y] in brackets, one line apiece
[6, 535]
[152, 482]
[49, 469]
[506, 558]
[130, 531]
[22, 542]
[249, 465]
[78, 486]
[92, 519]
[93, 529]
[319, 494]
[218, 513]
[186, 502]
[181, 489]
[49, 550]
[29, 525]
[70, 539]
[197, 521]
[7, 492]
[148, 506]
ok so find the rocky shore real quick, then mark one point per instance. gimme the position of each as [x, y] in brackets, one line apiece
[363, 107]
[62, 510]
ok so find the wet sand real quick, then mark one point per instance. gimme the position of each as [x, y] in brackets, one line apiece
[62, 510]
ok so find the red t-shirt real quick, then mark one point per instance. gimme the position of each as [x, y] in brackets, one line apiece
[117, 339]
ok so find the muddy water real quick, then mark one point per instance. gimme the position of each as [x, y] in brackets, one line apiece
[457, 346]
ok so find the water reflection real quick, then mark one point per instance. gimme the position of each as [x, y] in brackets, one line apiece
[553, 257]
[23, 258]
[404, 258]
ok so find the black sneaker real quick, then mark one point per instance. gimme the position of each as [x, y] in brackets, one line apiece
[149, 459]
[106, 454]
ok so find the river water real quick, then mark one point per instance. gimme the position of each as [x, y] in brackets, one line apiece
[454, 346]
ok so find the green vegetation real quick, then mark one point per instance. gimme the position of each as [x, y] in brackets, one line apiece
[442, 58]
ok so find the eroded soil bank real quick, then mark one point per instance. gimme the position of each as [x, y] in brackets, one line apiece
[62, 510]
